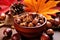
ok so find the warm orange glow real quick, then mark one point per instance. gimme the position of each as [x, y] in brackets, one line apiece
[41, 7]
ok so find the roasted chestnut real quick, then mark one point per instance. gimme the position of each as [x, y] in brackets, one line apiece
[44, 37]
[7, 32]
[18, 20]
[52, 21]
[35, 21]
[49, 24]
[23, 24]
[30, 20]
[30, 25]
[57, 20]
[41, 21]
[38, 25]
[16, 36]
[50, 32]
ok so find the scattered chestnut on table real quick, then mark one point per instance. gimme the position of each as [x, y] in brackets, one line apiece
[16, 36]
[52, 21]
[57, 20]
[44, 37]
[50, 32]
[7, 32]
[49, 24]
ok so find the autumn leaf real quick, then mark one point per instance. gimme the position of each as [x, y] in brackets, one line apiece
[41, 7]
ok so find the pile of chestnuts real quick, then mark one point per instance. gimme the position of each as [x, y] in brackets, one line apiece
[8, 35]
[48, 35]
[55, 22]
[30, 20]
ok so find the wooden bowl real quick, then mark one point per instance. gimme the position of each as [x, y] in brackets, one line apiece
[30, 32]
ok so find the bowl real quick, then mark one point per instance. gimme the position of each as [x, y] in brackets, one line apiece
[30, 32]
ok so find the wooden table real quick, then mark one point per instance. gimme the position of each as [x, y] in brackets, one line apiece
[56, 35]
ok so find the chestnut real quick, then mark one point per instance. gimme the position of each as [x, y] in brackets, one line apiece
[16, 36]
[41, 21]
[7, 32]
[18, 20]
[38, 25]
[57, 20]
[23, 24]
[30, 24]
[35, 21]
[50, 32]
[52, 21]
[29, 18]
[22, 16]
[49, 24]
[44, 37]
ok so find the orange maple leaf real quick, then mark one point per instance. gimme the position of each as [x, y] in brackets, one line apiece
[41, 7]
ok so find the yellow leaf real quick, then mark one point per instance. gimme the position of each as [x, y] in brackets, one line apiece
[48, 5]
[41, 7]
[34, 4]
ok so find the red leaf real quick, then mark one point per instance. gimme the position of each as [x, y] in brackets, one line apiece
[5, 5]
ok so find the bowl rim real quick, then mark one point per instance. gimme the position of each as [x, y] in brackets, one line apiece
[32, 27]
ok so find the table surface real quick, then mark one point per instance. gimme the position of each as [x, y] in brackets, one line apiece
[56, 35]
